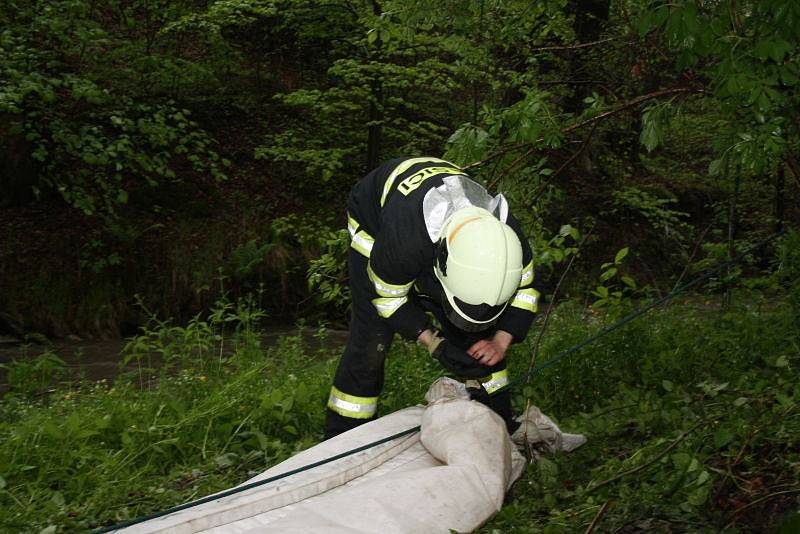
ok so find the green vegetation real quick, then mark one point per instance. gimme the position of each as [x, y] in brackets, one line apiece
[137, 135]
[178, 171]
[692, 418]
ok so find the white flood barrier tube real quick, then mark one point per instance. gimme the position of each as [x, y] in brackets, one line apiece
[450, 476]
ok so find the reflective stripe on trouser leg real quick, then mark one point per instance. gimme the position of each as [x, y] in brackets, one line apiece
[352, 405]
[495, 381]
[359, 375]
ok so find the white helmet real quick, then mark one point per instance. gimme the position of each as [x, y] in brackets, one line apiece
[479, 264]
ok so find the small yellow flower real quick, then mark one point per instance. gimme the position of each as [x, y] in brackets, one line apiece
[202, 378]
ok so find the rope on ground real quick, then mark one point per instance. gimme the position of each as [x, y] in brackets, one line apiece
[245, 487]
[525, 377]
[638, 313]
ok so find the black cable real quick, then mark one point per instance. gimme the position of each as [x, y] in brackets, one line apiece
[245, 487]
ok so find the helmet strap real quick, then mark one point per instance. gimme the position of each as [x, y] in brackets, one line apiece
[442, 254]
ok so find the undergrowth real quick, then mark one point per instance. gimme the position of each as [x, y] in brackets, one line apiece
[691, 415]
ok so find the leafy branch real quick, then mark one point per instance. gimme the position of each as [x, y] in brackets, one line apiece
[604, 115]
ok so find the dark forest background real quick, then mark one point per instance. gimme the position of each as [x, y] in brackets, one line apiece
[163, 152]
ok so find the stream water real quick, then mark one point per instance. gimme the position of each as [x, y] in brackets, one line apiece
[99, 359]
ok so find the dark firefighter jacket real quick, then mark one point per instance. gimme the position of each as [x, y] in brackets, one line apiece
[388, 225]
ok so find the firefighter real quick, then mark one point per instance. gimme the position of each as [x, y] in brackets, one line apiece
[428, 240]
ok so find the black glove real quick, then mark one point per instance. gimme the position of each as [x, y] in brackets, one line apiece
[456, 360]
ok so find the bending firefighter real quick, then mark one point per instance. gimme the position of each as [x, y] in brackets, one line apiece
[425, 238]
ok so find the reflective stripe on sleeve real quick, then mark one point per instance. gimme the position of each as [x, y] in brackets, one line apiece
[527, 275]
[352, 225]
[387, 306]
[352, 406]
[403, 167]
[360, 240]
[495, 381]
[526, 299]
[384, 288]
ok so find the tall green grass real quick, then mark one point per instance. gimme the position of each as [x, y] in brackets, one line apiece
[685, 410]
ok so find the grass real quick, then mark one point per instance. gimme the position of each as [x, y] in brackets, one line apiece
[691, 413]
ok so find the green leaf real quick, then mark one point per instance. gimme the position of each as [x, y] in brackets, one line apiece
[722, 437]
[58, 499]
[667, 385]
[782, 361]
[621, 255]
[628, 281]
[699, 496]
[715, 167]
[467, 145]
[225, 460]
[608, 274]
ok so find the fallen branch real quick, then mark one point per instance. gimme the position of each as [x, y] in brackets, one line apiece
[597, 518]
[757, 501]
[651, 462]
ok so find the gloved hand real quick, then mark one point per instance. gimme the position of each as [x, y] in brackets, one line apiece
[456, 360]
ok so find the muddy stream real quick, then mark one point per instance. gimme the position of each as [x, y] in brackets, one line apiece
[101, 359]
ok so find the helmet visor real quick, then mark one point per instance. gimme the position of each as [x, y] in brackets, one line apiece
[471, 317]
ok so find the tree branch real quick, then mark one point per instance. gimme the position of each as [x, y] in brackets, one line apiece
[550, 178]
[551, 305]
[792, 164]
[618, 109]
[571, 47]
[694, 253]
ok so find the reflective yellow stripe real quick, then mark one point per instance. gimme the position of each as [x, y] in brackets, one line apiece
[352, 406]
[363, 243]
[412, 182]
[526, 299]
[495, 381]
[352, 225]
[384, 288]
[403, 167]
[527, 275]
[360, 240]
[386, 307]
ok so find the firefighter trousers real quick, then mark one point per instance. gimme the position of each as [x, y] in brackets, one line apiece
[359, 376]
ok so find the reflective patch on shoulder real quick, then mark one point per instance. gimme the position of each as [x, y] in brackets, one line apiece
[455, 193]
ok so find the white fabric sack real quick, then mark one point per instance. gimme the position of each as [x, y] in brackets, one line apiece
[450, 476]
[538, 433]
